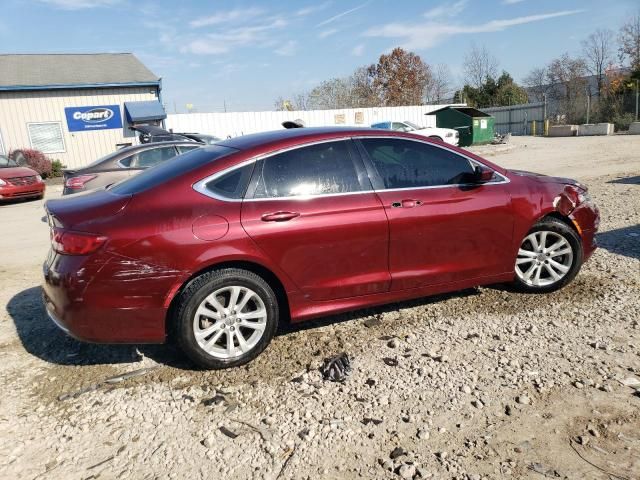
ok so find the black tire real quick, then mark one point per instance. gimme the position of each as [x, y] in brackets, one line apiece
[557, 227]
[435, 137]
[195, 293]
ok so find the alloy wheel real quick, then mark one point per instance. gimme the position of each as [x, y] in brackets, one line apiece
[544, 258]
[230, 322]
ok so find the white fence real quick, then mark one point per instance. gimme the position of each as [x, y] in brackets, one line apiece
[232, 124]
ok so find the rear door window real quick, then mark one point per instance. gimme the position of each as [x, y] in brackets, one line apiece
[187, 148]
[409, 164]
[321, 169]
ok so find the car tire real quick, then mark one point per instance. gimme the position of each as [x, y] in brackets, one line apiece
[205, 323]
[435, 137]
[549, 257]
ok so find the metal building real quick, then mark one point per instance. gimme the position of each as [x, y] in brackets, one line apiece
[75, 107]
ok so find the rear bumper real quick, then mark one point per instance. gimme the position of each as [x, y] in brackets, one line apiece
[10, 192]
[95, 308]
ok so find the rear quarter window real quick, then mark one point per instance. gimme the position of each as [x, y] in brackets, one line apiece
[170, 169]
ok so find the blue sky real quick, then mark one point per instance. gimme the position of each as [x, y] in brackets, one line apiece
[248, 53]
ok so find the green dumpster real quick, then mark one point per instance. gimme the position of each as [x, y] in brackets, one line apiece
[475, 127]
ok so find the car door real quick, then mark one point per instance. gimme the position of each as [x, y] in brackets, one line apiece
[442, 228]
[313, 212]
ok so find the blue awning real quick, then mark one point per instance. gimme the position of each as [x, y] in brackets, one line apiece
[144, 111]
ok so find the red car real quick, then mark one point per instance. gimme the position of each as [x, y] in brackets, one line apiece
[219, 245]
[19, 182]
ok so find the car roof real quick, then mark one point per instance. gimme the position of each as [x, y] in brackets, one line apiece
[296, 136]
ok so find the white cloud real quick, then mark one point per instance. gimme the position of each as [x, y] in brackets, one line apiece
[358, 50]
[80, 4]
[446, 10]
[327, 33]
[511, 2]
[226, 17]
[426, 35]
[288, 49]
[341, 14]
[227, 40]
[303, 12]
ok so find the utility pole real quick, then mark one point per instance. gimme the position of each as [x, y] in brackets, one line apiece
[588, 104]
[636, 99]
[224, 102]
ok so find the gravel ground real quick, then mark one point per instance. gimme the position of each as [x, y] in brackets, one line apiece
[484, 383]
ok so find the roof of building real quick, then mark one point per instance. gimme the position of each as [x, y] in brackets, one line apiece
[86, 70]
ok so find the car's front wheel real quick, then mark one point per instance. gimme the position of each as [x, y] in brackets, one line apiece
[549, 257]
[226, 318]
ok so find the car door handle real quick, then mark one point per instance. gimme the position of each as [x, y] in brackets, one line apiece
[279, 216]
[407, 203]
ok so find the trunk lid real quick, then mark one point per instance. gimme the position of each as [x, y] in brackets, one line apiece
[85, 209]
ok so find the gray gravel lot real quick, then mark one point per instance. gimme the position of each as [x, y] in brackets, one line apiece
[484, 383]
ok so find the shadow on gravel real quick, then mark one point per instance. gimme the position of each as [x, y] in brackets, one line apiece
[627, 180]
[40, 337]
[372, 311]
[622, 241]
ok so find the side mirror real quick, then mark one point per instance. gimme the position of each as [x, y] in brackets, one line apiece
[482, 174]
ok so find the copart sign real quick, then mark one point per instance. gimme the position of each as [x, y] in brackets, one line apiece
[101, 117]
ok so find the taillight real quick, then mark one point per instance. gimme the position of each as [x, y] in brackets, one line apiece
[75, 243]
[77, 183]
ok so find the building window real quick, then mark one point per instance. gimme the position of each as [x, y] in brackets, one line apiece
[46, 137]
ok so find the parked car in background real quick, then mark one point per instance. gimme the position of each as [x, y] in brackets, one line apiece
[201, 137]
[122, 164]
[221, 244]
[447, 135]
[19, 182]
[151, 133]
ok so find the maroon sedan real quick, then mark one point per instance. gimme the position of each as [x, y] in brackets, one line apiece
[19, 182]
[219, 245]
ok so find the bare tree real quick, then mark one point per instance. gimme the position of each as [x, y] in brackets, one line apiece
[363, 92]
[537, 83]
[479, 65]
[629, 39]
[598, 54]
[565, 75]
[439, 84]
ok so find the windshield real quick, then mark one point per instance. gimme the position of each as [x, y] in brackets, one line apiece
[413, 125]
[7, 162]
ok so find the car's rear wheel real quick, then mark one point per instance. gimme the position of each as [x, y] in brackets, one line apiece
[226, 318]
[549, 257]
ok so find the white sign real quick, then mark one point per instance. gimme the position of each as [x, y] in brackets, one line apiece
[483, 123]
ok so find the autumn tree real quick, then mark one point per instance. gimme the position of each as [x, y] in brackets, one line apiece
[597, 49]
[399, 78]
[479, 65]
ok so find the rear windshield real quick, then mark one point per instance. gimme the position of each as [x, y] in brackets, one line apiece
[170, 169]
